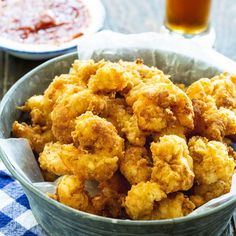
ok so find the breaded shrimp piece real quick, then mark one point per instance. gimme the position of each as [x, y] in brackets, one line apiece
[173, 166]
[71, 106]
[139, 203]
[84, 69]
[50, 159]
[36, 135]
[99, 166]
[134, 134]
[100, 148]
[205, 192]
[225, 91]
[211, 161]
[35, 106]
[41, 106]
[171, 130]
[71, 192]
[162, 105]
[175, 205]
[126, 123]
[214, 106]
[213, 167]
[109, 201]
[62, 85]
[202, 90]
[135, 165]
[97, 135]
[144, 86]
[110, 78]
[144, 73]
[212, 122]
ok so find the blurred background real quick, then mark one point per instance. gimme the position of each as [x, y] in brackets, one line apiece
[142, 15]
[135, 16]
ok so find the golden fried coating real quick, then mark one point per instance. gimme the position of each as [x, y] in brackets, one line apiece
[171, 130]
[71, 192]
[134, 134]
[175, 205]
[71, 106]
[206, 192]
[201, 89]
[232, 153]
[60, 86]
[139, 203]
[135, 165]
[100, 148]
[142, 71]
[125, 122]
[41, 106]
[97, 135]
[122, 76]
[99, 167]
[144, 75]
[36, 135]
[211, 161]
[173, 166]
[50, 159]
[110, 78]
[116, 132]
[35, 105]
[212, 122]
[84, 69]
[214, 106]
[109, 201]
[162, 105]
[225, 91]
[213, 168]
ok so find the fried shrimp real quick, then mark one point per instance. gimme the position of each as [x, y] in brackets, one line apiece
[50, 159]
[214, 106]
[37, 136]
[126, 123]
[136, 166]
[128, 143]
[71, 192]
[139, 203]
[97, 135]
[109, 200]
[213, 168]
[100, 148]
[71, 106]
[165, 104]
[173, 166]
[175, 205]
[110, 78]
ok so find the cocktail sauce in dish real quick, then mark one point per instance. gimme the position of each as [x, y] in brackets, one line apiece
[43, 22]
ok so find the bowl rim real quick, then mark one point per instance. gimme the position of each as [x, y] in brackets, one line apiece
[96, 24]
[70, 210]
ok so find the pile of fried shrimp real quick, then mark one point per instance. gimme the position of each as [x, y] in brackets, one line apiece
[152, 149]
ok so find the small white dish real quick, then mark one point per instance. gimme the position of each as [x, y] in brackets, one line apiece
[43, 51]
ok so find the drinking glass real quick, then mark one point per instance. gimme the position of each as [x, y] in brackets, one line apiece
[189, 19]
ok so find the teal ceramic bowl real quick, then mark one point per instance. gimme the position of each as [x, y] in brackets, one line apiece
[58, 219]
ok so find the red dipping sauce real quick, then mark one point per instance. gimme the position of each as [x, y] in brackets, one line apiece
[43, 21]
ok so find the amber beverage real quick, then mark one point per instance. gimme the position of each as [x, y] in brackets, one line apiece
[187, 16]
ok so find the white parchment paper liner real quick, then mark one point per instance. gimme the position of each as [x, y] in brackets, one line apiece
[114, 46]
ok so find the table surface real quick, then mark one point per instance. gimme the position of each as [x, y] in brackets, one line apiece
[134, 16]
